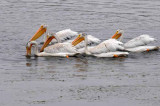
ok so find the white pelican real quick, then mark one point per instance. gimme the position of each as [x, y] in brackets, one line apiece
[93, 41]
[107, 48]
[139, 43]
[59, 49]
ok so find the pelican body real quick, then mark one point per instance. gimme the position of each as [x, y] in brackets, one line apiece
[59, 49]
[139, 44]
[107, 48]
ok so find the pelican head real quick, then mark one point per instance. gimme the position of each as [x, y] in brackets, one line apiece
[79, 39]
[50, 36]
[118, 34]
[40, 31]
[29, 46]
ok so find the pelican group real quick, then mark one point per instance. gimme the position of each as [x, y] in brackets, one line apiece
[69, 43]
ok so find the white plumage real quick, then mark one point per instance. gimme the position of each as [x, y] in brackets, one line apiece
[60, 47]
[64, 35]
[110, 45]
[139, 41]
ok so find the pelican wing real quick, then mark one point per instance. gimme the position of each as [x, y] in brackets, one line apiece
[92, 41]
[110, 45]
[60, 48]
[66, 34]
[139, 41]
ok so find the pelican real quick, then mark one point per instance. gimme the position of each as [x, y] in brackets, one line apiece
[107, 48]
[93, 41]
[139, 43]
[58, 49]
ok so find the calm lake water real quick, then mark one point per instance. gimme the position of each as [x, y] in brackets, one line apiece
[87, 81]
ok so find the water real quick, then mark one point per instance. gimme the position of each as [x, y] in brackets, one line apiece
[83, 80]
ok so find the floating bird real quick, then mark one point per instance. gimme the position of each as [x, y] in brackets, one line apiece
[93, 41]
[139, 43]
[107, 48]
[58, 49]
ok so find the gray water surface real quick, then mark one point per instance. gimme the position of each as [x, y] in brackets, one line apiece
[87, 81]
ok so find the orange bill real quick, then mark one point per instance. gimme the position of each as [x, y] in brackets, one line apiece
[40, 32]
[48, 40]
[116, 35]
[77, 40]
